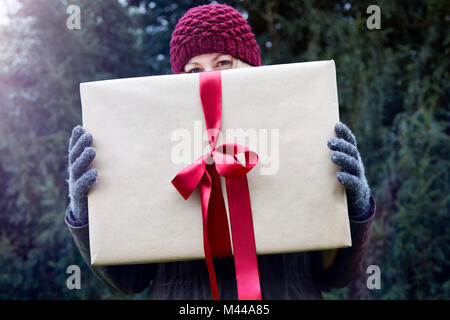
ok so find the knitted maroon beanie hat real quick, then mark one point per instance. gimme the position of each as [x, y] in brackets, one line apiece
[212, 28]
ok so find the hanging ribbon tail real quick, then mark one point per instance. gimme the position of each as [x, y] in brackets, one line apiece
[244, 248]
[205, 193]
[241, 220]
[218, 230]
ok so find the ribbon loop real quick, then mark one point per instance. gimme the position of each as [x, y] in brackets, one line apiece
[228, 165]
[187, 180]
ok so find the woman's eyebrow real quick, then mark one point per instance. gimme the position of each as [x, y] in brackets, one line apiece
[214, 59]
[220, 55]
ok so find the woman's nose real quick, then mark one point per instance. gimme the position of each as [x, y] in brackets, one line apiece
[210, 68]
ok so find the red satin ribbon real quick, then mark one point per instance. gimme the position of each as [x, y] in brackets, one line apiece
[205, 175]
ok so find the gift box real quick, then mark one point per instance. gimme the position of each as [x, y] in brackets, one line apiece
[147, 130]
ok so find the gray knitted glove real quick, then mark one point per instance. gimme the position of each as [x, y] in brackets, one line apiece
[80, 178]
[345, 154]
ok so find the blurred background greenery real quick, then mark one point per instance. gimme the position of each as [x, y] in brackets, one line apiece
[393, 92]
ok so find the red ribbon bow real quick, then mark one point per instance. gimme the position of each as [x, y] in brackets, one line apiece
[206, 176]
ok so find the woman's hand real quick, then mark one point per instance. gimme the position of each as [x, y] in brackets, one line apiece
[80, 178]
[345, 154]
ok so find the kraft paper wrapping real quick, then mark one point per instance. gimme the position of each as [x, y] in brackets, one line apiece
[142, 125]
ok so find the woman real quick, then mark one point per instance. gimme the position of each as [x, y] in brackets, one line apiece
[217, 37]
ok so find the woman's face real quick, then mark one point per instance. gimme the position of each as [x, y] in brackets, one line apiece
[209, 62]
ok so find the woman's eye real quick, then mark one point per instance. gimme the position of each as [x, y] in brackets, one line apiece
[195, 70]
[224, 63]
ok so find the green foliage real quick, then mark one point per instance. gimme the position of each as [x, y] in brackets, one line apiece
[42, 64]
[420, 229]
[393, 92]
